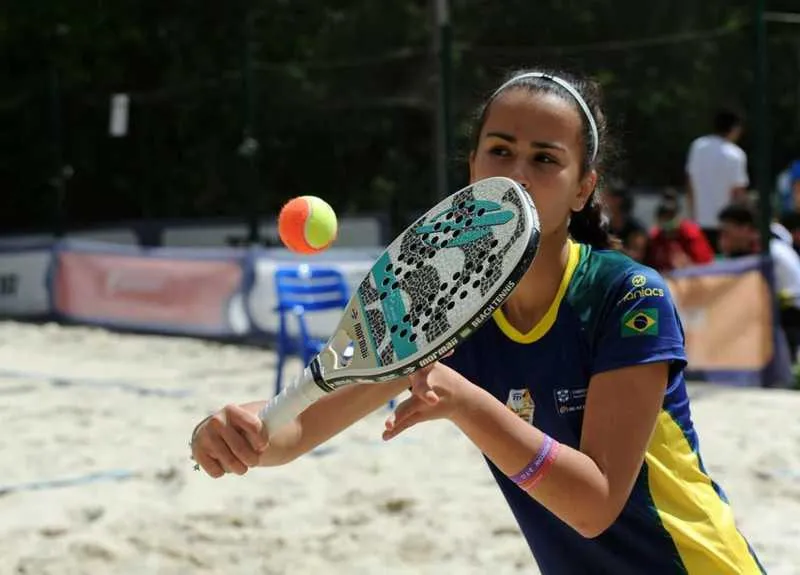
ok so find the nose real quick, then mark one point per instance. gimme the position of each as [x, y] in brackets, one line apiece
[523, 183]
[519, 175]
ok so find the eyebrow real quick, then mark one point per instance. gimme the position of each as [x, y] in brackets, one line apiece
[511, 139]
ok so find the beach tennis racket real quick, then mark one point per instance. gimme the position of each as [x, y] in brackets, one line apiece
[435, 284]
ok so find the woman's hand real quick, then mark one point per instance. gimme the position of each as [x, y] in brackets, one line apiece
[230, 441]
[437, 392]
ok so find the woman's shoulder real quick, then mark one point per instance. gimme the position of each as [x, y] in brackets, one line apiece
[604, 273]
[627, 310]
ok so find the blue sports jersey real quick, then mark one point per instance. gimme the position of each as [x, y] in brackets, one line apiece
[609, 312]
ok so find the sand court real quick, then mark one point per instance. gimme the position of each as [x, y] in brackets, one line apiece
[95, 476]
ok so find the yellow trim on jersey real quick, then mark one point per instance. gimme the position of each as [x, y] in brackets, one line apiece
[540, 329]
[699, 521]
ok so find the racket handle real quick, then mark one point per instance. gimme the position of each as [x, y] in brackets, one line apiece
[291, 401]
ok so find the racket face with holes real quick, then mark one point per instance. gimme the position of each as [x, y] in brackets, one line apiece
[438, 282]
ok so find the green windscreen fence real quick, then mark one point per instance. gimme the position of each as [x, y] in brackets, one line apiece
[343, 101]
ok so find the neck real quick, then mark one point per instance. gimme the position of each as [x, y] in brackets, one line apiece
[538, 287]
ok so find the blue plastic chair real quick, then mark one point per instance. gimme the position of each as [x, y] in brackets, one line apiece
[300, 290]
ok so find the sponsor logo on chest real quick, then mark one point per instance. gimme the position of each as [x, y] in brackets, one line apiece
[569, 400]
[520, 402]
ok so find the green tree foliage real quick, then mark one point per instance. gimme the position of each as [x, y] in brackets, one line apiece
[340, 96]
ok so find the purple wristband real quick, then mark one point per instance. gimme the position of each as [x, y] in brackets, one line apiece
[532, 467]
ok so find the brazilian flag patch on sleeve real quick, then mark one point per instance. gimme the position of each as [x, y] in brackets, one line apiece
[640, 322]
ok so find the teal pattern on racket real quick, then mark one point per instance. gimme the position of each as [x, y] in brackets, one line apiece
[415, 291]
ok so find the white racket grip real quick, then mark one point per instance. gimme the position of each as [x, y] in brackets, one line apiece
[291, 401]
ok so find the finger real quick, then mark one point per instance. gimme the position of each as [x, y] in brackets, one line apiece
[401, 425]
[239, 446]
[209, 464]
[422, 389]
[430, 397]
[403, 410]
[249, 424]
[219, 449]
[422, 372]
[416, 413]
[419, 378]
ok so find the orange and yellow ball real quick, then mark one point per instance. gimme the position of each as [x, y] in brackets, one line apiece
[307, 225]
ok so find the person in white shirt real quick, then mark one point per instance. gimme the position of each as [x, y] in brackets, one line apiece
[739, 236]
[716, 172]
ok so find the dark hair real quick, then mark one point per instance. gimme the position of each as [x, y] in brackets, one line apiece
[669, 206]
[726, 120]
[590, 225]
[791, 221]
[631, 231]
[739, 214]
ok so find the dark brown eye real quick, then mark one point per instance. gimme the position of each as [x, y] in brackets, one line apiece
[499, 151]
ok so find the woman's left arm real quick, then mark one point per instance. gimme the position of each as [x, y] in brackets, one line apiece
[585, 488]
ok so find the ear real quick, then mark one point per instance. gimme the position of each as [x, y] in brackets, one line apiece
[588, 184]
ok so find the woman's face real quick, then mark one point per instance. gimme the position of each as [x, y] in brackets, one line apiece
[536, 139]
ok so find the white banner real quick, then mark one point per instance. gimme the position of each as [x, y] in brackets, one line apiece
[262, 299]
[23, 282]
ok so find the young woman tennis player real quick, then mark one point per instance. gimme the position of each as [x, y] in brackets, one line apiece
[574, 393]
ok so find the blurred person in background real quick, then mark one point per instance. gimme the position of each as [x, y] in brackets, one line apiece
[634, 244]
[739, 236]
[788, 187]
[619, 205]
[716, 171]
[622, 224]
[791, 221]
[788, 205]
[676, 242]
[778, 230]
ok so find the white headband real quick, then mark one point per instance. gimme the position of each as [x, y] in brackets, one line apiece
[569, 88]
